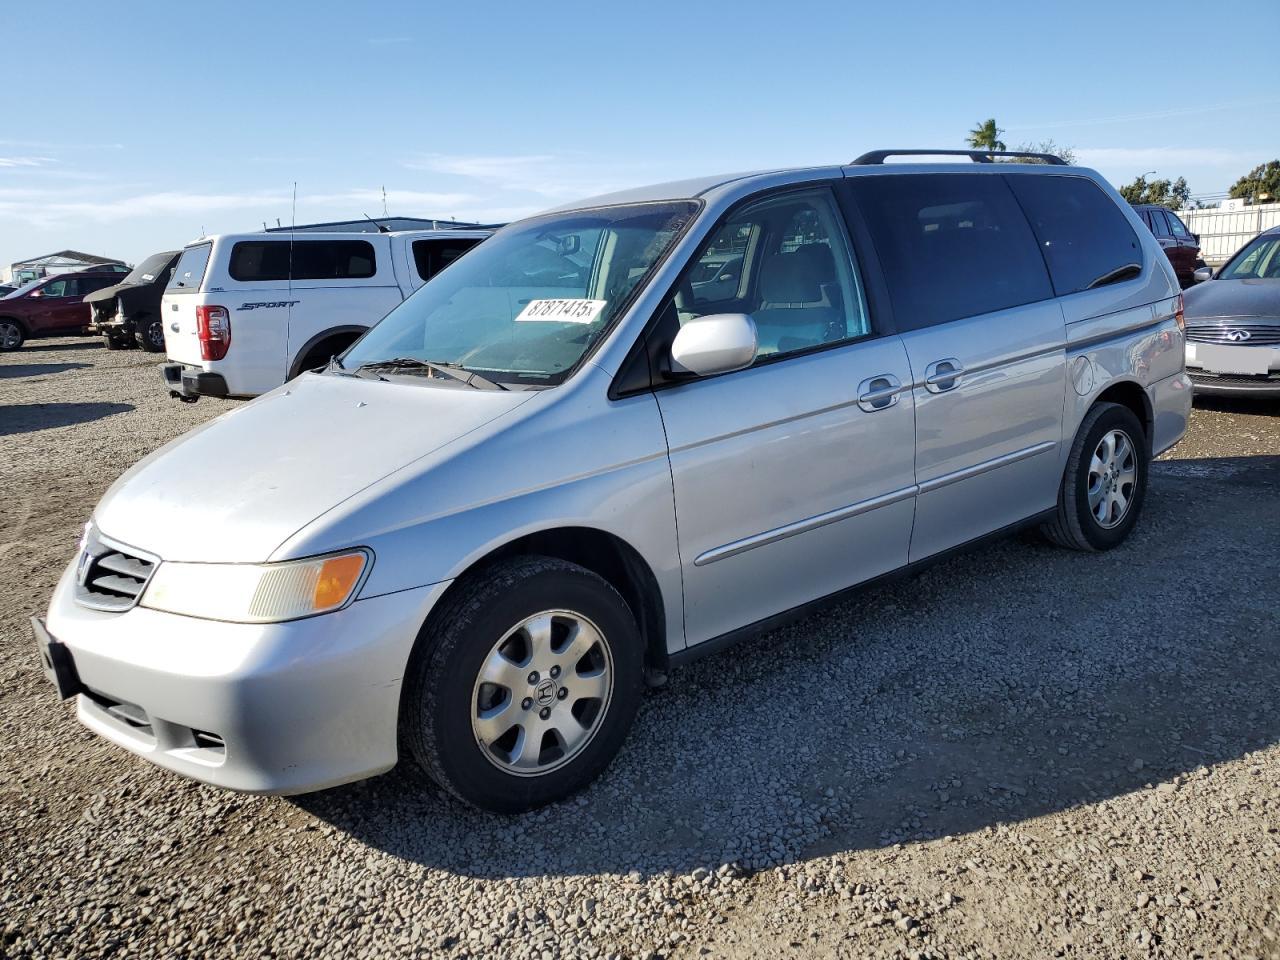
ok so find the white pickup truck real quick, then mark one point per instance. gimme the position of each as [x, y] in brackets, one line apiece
[245, 312]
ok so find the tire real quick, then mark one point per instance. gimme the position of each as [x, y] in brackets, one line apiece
[447, 704]
[151, 336]
[12, 336]
[114, 341]
[1100, 522]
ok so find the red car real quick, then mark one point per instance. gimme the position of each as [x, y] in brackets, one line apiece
[1180, 245]
[52, 307]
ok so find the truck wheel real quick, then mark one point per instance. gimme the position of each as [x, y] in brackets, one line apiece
[113, 341]
[523, 688]
[1105, 482]
[11, 334]
[151, 337]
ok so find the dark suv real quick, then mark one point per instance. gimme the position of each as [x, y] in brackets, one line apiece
[52, 307]
[1180, 245]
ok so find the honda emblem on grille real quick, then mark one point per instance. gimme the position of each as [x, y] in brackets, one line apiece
[1238, 336]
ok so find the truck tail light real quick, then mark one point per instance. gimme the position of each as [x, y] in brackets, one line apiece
[1178, 318]
[213, 326]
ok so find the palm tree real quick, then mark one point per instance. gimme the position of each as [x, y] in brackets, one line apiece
[986, 136]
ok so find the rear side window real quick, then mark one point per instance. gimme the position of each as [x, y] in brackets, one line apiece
[432, 256]
[952, 246]
[1085, 238]
[257, 260]
[189, 271]
[1158, 225]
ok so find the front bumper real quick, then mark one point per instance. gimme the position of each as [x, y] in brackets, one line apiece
[263, 708]
[192, 383]
[1220, 374]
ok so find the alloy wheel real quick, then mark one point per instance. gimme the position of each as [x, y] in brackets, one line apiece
[542, 693]
[1113, 473]
[10, 335]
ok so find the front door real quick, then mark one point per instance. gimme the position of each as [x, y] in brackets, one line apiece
[793, 478]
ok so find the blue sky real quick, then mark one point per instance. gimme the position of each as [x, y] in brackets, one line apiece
[145, 124]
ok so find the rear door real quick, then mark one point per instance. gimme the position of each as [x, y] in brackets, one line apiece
[793, 478]
[1188, 248]
[178, 305]
[986, 342]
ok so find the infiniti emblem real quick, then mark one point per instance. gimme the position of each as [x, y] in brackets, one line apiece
[1238, 336]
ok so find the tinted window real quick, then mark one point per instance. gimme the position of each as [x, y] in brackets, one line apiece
[1158, 225]
[87, 285]
[256, 260]
[432, 256]
[1085, 238]
[951, 245]
[189, 272]
[784, 260]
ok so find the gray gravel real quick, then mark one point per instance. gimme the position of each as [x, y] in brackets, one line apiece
[1022, 752]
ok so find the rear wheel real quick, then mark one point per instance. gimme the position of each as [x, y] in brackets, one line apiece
[116, 341]
[150, 336]
[525, 686]
[11, 334]
[1105, 482]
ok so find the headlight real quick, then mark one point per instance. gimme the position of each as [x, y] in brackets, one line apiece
[257, 592]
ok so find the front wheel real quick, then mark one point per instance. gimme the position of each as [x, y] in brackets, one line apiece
[525, 686]
[1105, 482]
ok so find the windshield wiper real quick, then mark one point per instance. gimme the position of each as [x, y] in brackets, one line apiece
[1126, 272]
[448, 369]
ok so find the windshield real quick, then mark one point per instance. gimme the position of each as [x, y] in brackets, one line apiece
[150, 268]
[529, 303]
[1260, 259]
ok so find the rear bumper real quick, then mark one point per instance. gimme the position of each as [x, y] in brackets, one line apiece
[191, 383]
[262, 708]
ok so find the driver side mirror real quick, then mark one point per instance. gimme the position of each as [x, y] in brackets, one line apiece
[1202, 274]
[718, 343]
[36, 293]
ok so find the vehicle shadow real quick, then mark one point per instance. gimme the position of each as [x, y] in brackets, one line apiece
[1246, 405]
[83, 343]
[14, 370]
[32, 417]
[1015, 681]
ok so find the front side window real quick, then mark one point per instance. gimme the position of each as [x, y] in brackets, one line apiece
[785, 261]
[189, 271]
[1085, 238]
[526, 305]
[952, 245]
[1177, 226]
[1258, 260]
[263, 260]
[56, 288]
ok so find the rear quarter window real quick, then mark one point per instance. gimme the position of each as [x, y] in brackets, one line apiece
[951, 245]
[432, 256]
[189, 271]
[259, 260]
[1085, 238]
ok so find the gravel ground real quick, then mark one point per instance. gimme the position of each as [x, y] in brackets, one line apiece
[1023, 752]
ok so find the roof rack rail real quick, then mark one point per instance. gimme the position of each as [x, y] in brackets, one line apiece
[977, 156]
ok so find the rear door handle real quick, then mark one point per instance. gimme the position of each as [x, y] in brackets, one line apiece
[943, 375]
[879, 392]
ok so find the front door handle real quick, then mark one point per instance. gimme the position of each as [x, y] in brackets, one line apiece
[943, 375]
[879, 392]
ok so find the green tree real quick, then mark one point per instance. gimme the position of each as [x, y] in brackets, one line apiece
[1173, 194]
[1259, 185]
[1066, 154]
[986, 136]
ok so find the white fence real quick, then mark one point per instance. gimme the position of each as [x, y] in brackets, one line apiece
[1223, 232]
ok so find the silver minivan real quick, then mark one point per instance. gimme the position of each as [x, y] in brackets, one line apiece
[613, 438]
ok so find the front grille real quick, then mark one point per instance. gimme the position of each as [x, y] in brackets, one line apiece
[111, 577]
[1260, 334]
[1235, 379]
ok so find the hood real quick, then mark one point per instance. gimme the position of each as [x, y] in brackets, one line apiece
[1232, 298]
[236, 488]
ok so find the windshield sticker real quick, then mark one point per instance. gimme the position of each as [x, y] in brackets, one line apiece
[563, 311]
